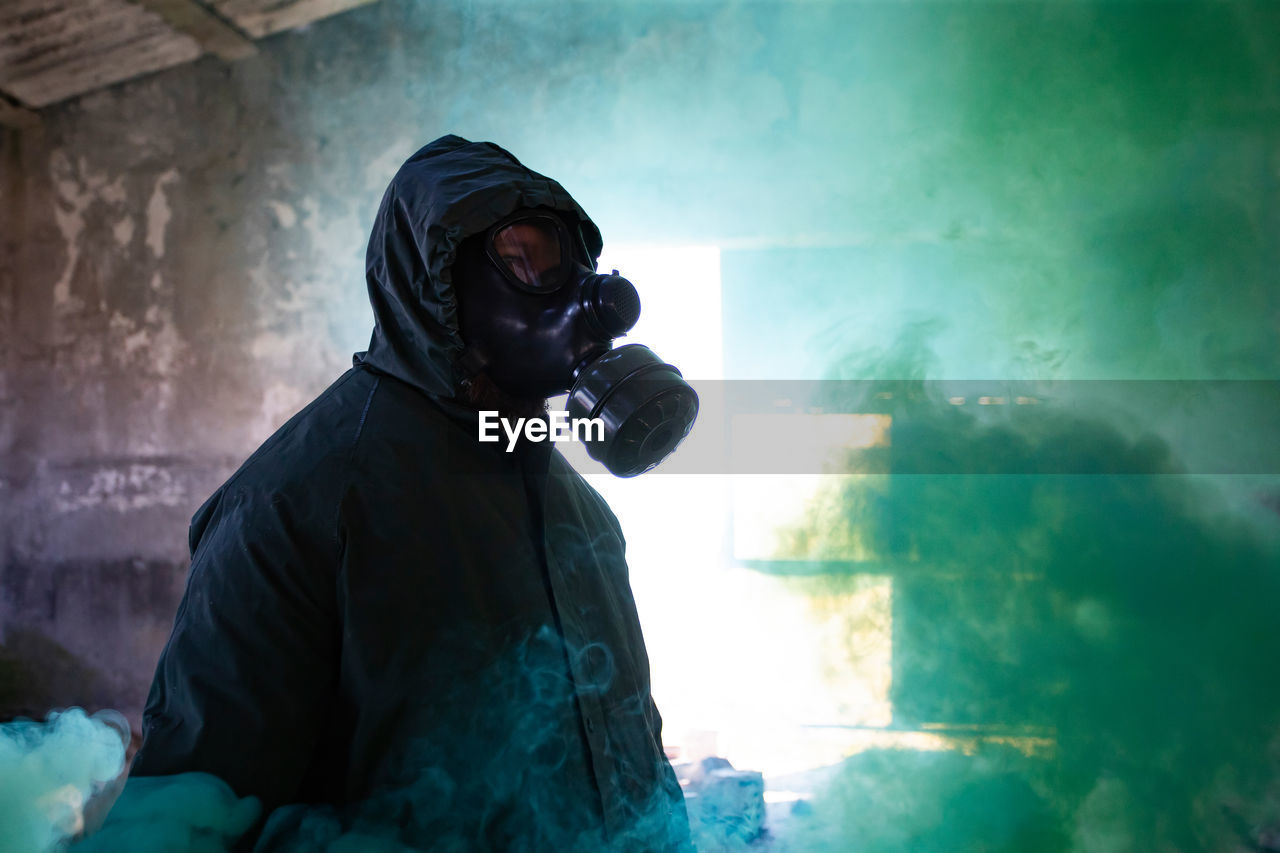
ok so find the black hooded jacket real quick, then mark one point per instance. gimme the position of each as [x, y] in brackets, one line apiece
[394, 629]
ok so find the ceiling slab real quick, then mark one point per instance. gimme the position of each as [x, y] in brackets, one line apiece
[214, 35]
[52, 50]
[263, 17]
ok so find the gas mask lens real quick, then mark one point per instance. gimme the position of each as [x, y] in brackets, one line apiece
[532, 252]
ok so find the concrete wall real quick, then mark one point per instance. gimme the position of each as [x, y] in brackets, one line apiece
[1094, 186]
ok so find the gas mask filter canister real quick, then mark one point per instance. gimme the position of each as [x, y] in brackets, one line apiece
[645, 404]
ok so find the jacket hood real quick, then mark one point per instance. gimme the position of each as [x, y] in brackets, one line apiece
[447, 191]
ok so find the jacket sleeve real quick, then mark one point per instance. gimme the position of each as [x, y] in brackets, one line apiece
[244, 684]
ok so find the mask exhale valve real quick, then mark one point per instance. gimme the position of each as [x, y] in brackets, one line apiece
[646, 405]
[610, 305]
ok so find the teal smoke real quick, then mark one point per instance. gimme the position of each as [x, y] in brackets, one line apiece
[48, 770]
[185, 813]
[59, 779]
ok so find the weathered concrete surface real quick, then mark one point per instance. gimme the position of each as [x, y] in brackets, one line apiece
[53, 49]
[156, 329]
[183, 254]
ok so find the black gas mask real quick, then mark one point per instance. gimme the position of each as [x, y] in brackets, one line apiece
[540, 321]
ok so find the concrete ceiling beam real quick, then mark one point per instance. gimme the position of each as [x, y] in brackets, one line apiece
[214, 35]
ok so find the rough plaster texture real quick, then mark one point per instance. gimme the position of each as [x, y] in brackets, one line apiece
[182, 254]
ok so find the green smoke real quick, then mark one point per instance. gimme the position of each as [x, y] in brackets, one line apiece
[1128, 619]
[1074, 191]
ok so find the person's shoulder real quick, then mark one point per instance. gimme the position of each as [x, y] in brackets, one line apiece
[300, 463]
[314, 437]
[410, 441]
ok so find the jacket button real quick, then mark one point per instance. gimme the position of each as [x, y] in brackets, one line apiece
[591, 726]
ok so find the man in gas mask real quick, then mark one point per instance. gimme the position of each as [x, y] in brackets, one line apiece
[394, 630]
